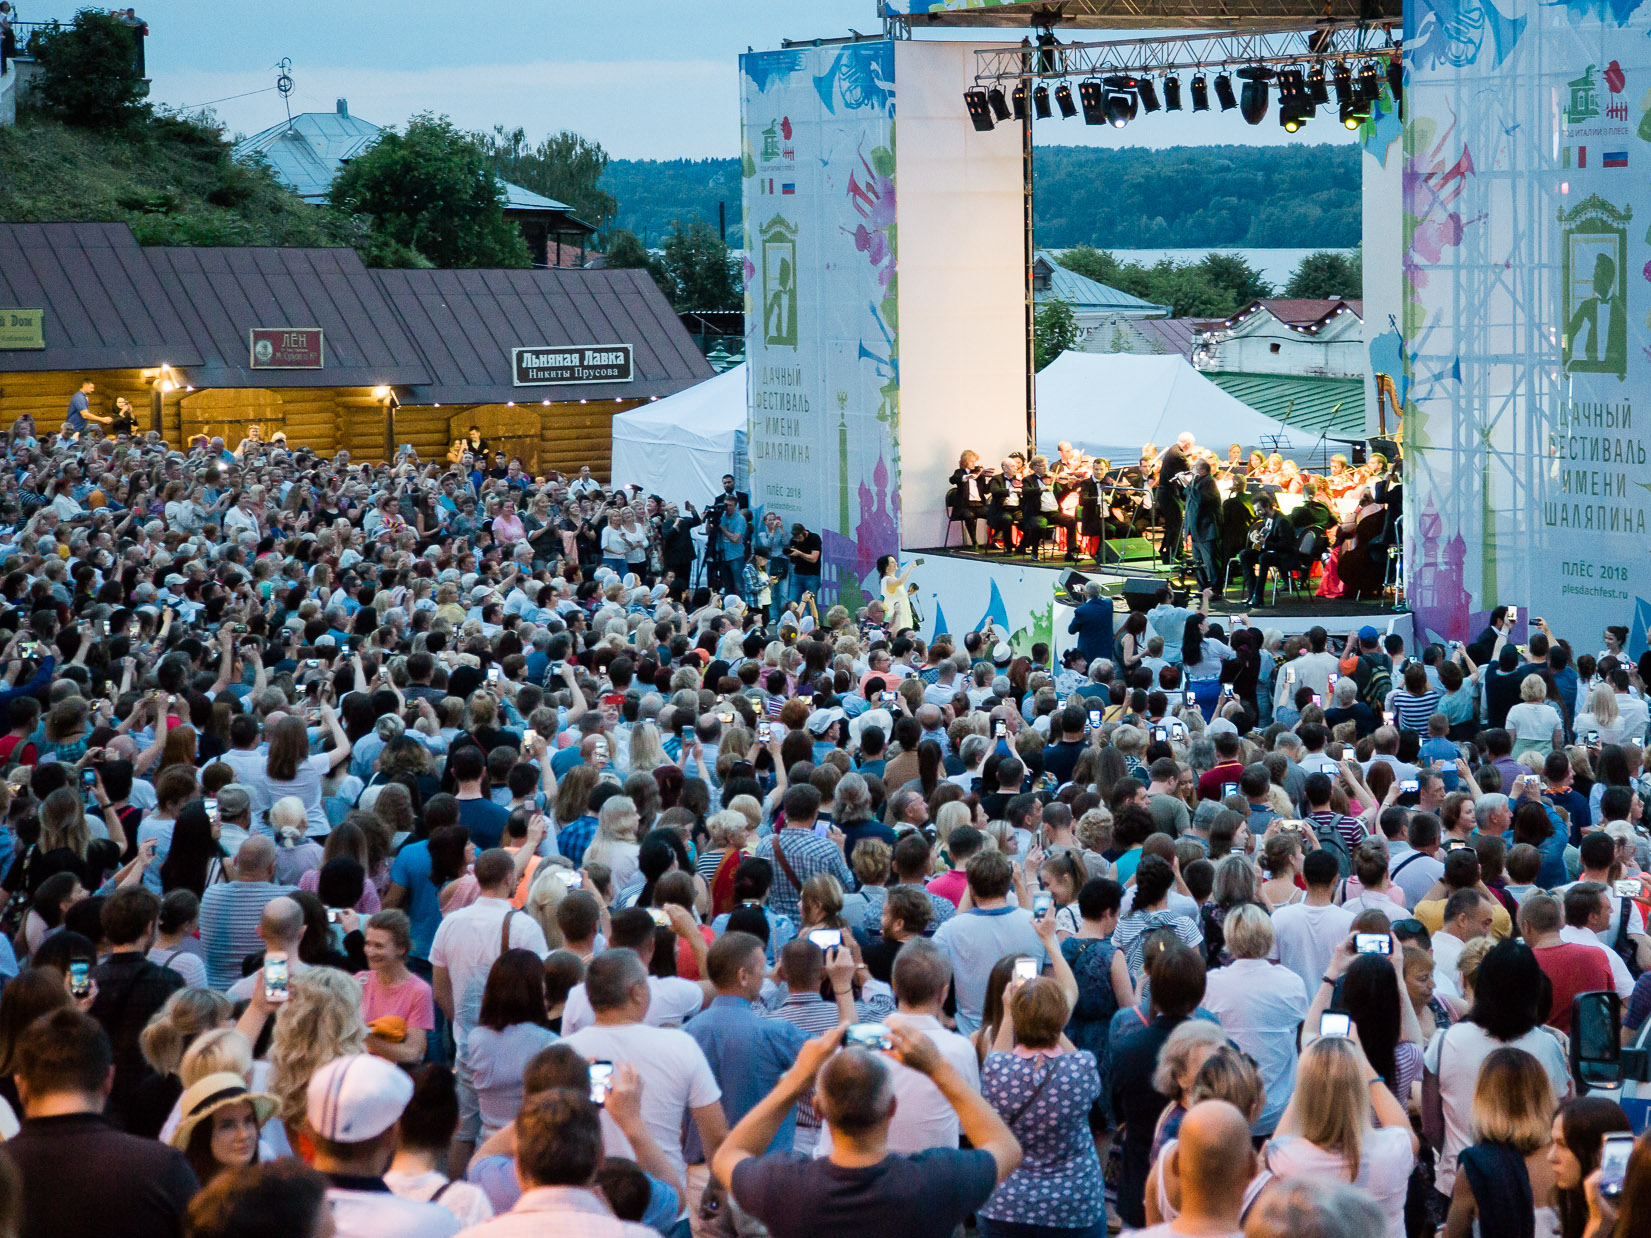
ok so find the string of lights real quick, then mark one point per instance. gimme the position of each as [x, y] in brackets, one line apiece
[1118, 80]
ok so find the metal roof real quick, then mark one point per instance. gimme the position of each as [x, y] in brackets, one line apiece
[307, 152]
[1329, 406]
[1136, 14]
[104, 309]
[1081, 292]
[465, 323]
[222, 293]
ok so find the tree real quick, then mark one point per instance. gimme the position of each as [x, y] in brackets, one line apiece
[432, 191]
[700, 274]
[564, 166]
[1054, 330]
[1328, 274]
[1238, 277]
[626, 251]
[88, 73]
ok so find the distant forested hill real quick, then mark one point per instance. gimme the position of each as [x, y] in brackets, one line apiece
[1178, 197]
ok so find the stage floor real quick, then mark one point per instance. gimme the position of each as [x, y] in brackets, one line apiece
[1112, 576]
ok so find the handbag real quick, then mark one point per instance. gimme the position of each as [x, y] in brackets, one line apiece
[1433, 1100]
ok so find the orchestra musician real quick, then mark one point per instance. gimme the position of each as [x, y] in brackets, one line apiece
[1071, 463]
[1040, 507]
[1003, 500]
[1203, 522]
[968, 495]
[1272, 545]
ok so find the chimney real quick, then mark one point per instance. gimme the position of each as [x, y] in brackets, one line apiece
[343, 107]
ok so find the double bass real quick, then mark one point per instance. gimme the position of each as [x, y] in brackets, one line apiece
[1358, 561]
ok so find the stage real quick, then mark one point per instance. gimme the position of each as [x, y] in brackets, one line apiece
[959, 590]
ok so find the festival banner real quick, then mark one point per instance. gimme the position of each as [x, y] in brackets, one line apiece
[817, 145]
[1526, 332]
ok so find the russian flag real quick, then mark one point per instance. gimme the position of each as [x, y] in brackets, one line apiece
[1615, 159]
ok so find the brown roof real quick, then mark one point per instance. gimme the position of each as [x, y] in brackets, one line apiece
[465, 323]
[1173, 336]
[1302, 311]
[222, 293]
[105, 310]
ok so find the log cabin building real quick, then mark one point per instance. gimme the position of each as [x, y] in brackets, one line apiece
[206, 340]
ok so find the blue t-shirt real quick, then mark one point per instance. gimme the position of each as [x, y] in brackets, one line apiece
[74, 421]
[411, 871]
[485, 820]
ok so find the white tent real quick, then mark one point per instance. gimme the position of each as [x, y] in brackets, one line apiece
[1110, 404]
[680, 447]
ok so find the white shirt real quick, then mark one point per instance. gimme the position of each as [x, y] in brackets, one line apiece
[1304, 937]
[1634, 715]
[1260, 1006]
[379, 1214]
[1385, 1162]
[1455, 1055]
[558, 1210]
[1313, 670]
[923, 1118]
[467, 945]
[675, 1078]
[1175, 901]
[670, 1000]
[1447, 953]
[465, 1200]
[1620, 976]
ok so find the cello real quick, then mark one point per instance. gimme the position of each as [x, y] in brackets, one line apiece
[1356, 558]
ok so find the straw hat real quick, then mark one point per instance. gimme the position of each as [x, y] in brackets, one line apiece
[215, 1092]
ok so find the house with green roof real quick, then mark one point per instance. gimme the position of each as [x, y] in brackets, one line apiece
[1093, 303]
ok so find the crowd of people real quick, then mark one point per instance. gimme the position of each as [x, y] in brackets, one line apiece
[365, 871]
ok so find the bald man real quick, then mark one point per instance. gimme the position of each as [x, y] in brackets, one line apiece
[1214, 1165]
[232, 912]
[279, 927]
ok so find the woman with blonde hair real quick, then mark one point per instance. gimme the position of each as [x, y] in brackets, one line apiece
[1342, 1122]
[544, 895]
[169, 1034]
[1227, 1074]
[1506, 1179]
[319, 1023]
[872, 863]
[1281, 857]
[1179, 1060]
[616, 843]
[647, 748]
[1601, 718]
[949, 818]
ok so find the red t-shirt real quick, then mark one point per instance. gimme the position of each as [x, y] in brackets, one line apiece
[1572, 969]
[1209, 783]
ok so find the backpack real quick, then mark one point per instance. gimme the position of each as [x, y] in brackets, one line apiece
[1378, 684]
[1330, 839]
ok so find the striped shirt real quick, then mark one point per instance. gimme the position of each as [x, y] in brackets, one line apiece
[816, 1016]
[230, 912]
[809, 855]
[1411, 713]
[1130, 935]
[1351, 829]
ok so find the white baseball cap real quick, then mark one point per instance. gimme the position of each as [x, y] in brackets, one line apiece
[356, 1098]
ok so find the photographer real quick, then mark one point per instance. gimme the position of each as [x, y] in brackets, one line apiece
[803, 555]
[772, 542]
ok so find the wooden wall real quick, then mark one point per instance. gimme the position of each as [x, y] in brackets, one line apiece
[560, 436]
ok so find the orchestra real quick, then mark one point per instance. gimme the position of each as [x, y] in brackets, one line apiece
[1268, 506]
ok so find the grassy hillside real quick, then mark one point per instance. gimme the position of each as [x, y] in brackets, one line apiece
[172, 180]
[1185, 196]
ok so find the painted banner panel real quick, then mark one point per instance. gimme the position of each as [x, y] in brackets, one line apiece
[1526, 338]
[817, 146]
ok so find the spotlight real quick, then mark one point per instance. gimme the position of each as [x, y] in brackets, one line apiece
[1000, 105]
[1018, 99]
[1200, 93]
[1172, 94]
[1395, 80]
[1093, 97]
[980, 111]
[1224, 92]
[1316, 87]
[1342, 76]
[1120, 100]
[1354, 113]
[1040, 101]
[1063, 100]
[1369, 86]
[1149, 94]
[1290, 121]
[1253, 106]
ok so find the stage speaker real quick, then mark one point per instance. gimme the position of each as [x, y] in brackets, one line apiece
[1127, 550]
[1141, 595]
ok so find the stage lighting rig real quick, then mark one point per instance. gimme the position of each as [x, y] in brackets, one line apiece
[1369, 84]
[1120, 99]
[1224, 92]
[1395, 81]
[1040, 101]
[1000, 105]
[1316, 89]
[1149, 94]
[1253, 105]
[1063, 100]
[1018, 101]
[1093, 97]
[1172, 94]
[980, 111]
[1342, 76]
[1200, 93]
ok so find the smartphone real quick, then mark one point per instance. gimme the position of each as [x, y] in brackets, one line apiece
[88, 777]
[888, 698]
[1191, 699]
[822, 829]
[1456, 844]
[333, 915]
[556, 667]
[765, 732]
[1228, 788]
[1409, 786]
[1042, 903]
[658, 916]
[1000, 728]
[601, 1082]
[1331, 682]
[80, 978]
[1335, 1023]
[569, 878]
[600, 752]
[1626, 888]
[1513, 614]
[276, 980]
[1160, 733]
[1387, 717]
[494, 674]
[826, 939]
[210, 803]
[867, 1036]
[27, 648]
[1095, 716]
[529, 736]
[1614, 1153]
[1317, 700]
[1227, 689]
[312, 663]
[1591, 739]
[1289, 674]
[1026, 969]
[727, 718]
[1372, 943]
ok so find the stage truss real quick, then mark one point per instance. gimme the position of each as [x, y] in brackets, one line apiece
[906, 17]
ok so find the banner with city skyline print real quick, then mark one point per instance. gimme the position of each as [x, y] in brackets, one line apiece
[1527, 323]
